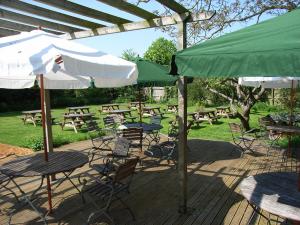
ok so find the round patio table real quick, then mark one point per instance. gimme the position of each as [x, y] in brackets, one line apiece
[35, 165]
[275, 192]
[146, 126]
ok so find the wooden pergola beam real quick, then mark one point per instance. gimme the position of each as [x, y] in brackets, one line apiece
[7, 32]
[22, 27]
[85, 11]
[36, 10]
[36, 22]
[158, 22]
[173, 5]
[130, 8]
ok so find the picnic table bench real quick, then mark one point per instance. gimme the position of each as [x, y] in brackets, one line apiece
[223, 111]
[108, 107]
[123, 113]
[204, 115]
[152, 111]
[76, 121]
[135, 105]
[172, 108]
[79, 109]
[33, 116]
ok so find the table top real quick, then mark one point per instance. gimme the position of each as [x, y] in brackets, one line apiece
[285, 129]
[78, 107]
[76, 115]
[35, 165]
[146, 126]
[32, 111]
[275, 192]
[119, 111]
[114, 104]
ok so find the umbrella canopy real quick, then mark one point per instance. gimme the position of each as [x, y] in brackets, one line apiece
[270, 48]
[65, 64]
[270, 82]
[153, 74]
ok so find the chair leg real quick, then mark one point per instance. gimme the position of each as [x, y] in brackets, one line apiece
[126, 206]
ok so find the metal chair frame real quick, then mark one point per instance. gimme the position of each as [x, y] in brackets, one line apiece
[153, 136]
[240, 138]
[109, 190]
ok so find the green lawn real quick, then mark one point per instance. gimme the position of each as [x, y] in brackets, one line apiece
[12, 130]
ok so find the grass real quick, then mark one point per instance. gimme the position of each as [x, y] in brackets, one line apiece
[13, 132]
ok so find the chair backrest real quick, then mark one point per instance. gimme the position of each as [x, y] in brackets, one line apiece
[155, 119]
[92, 126]
[125, 170]
[133, 133]
[121, 147]
[235, 128]
[109, 122]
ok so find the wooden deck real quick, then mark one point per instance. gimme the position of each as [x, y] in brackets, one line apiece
[215, 170]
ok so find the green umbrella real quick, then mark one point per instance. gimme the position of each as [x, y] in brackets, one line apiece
[152, 74]
[270, 48]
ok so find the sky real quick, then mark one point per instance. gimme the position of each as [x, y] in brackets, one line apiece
[115, 44]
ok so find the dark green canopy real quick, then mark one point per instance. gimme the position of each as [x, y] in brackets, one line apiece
[270, 48]
[153, 74]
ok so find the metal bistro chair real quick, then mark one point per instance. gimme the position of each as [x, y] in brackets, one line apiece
[4, 190]
[153, 135]
[110, 161]
[240, 138]
[109, 190]
[135, 135]
[101, 139]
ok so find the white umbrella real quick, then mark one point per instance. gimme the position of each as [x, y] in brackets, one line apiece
[270, 82]
[65, 64]
[57, 63]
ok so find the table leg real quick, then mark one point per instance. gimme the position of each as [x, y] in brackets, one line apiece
[29, 200]
[67, 177]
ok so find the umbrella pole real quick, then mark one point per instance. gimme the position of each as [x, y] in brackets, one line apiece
[140, 106]
[42, 92]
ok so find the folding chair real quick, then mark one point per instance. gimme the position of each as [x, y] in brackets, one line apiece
[135, 135]
[116, 157]
[101, 139]
[240, 138]
[153, 135]
[109, 190]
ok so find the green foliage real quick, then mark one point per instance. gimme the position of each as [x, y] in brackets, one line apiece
[263, 106]
[34, 143]
[130, 55]
[160, 51]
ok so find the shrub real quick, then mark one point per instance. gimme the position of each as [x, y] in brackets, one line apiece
[34, 143]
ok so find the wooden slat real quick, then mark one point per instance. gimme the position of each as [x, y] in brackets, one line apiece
[36, 10]
[173, 5]
[36, 22]
[21, 27]
[130, 8]
[159, 22]
[85, 11]
[7, 32]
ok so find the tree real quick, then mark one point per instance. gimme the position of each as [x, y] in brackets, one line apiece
[130, 55]
[160, 51]
[245, 97]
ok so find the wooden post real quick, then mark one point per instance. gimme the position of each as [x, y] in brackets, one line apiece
[45, 137]
[182, 121]
[47, 105]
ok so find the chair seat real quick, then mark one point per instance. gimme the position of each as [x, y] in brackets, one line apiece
[103, 169]
[103, 190]
[104, 138]
[247, 138]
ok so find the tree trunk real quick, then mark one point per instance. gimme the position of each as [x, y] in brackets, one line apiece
[244, 116]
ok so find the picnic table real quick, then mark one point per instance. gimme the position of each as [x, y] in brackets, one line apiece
[123, 113]
[223, 111]
[79, 109]
[275, 192]
[204, 115]
[147, 127]
[65, 162]
[109, 107]
[33, 116]
[152, 111]
[172, 108]
[136, 104]
[76, 120]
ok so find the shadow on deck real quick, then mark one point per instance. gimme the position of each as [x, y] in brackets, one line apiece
[214, 171]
